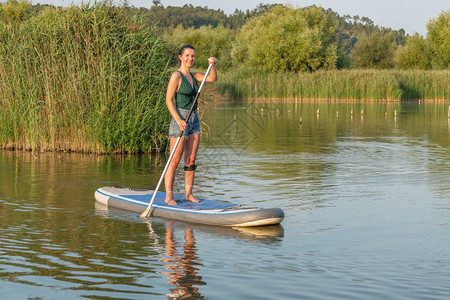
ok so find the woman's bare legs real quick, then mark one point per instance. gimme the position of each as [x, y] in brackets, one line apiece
[190, 154]
[169, 178]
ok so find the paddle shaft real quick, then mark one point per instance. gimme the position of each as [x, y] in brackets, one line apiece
[147, 211]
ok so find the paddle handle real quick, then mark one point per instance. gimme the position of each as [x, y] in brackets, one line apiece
[147, 211]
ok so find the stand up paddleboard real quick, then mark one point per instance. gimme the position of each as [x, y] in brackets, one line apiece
[207, 212]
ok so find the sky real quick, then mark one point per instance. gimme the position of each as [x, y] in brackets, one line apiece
[412, 15]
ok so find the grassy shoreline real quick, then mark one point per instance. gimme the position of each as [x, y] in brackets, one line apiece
[339, 85]
[358, 86]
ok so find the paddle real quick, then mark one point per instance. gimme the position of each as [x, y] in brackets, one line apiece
[147, 211]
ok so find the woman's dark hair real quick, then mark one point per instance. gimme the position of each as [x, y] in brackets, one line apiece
[180, 52]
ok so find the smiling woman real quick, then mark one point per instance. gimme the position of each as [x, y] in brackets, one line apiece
[185, 124]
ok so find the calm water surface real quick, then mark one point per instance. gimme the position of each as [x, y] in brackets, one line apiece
[365, 189]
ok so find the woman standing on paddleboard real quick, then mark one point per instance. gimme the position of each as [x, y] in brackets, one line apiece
[182, 87]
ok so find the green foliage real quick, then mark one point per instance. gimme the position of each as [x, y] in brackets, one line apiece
[343, 59]
[286, 39]
[208, 41]
[374, 50]
[15, 11]
[439, 40]
[189, 16]
[349, 30]
[186, 16]
[86, 79]
[415, 55]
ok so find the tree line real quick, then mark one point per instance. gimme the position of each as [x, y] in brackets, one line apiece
[279, 37]
[282, 38]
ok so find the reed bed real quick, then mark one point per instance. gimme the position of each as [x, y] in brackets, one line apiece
[92, 79]
[350, 85]
[88, 79]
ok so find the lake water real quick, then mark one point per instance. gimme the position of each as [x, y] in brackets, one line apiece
[365, 189]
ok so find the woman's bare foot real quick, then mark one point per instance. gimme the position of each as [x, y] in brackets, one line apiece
[171, 201]
[192, 199]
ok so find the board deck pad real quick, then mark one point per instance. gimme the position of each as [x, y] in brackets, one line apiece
[204, 204]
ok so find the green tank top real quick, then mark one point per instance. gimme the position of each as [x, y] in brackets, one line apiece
[186, 93]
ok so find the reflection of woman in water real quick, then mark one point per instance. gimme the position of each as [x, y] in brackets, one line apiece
[181, 268]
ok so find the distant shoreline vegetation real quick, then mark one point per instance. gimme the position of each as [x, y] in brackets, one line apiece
[93, 78]
[339, 85]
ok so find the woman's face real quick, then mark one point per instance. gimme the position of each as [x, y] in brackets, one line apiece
[187, 58]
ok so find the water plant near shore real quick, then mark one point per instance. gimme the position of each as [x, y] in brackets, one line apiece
[350, 85]
[87, 78]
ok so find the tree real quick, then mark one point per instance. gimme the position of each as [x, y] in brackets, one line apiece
[187, 16]
[157, 3]
[208, 41]
[439, 40]
[374, 50]
[415, 55]
[286, 39]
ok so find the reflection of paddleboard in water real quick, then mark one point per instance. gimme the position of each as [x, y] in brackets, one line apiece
[208, 212]
[262, 234]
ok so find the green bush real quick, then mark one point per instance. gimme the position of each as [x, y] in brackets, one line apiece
[415, 55]
[374, 51]
[439, 40]
[286, 39]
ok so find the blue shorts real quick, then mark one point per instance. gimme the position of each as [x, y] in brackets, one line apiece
[193, 125]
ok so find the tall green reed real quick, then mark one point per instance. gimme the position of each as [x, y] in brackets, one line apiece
[352, 85]
[88, 78]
